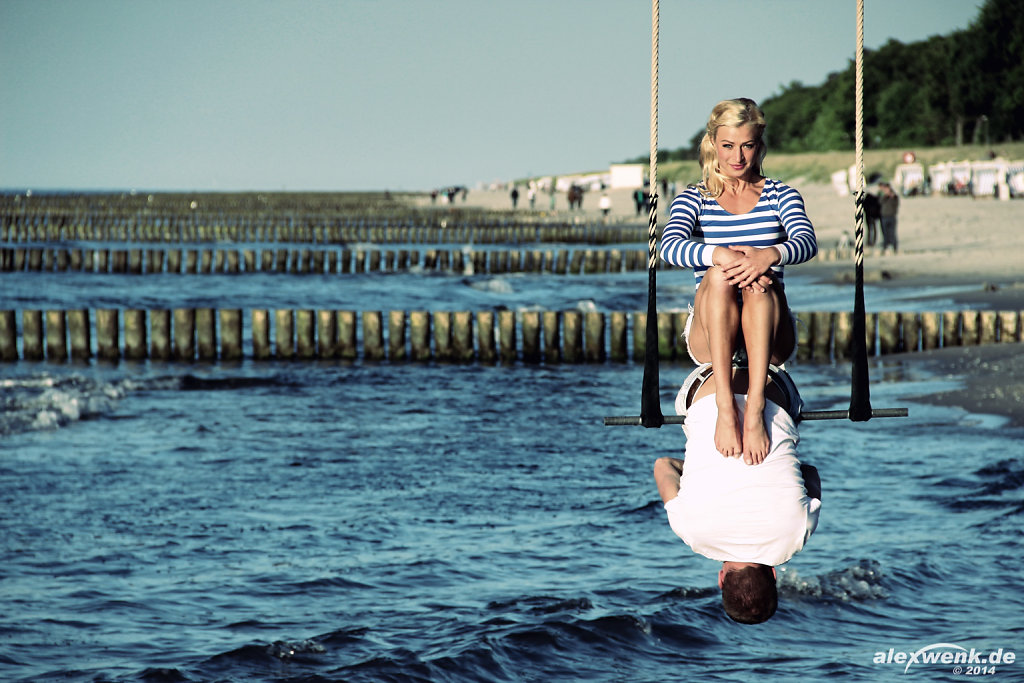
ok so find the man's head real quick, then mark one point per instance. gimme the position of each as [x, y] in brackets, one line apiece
[749, 594]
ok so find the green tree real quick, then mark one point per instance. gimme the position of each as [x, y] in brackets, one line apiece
[964, 87]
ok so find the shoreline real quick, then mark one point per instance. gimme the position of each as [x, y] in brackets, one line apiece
[989, 292]
[992, 378]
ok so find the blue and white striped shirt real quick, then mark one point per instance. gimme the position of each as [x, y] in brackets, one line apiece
[697, 224]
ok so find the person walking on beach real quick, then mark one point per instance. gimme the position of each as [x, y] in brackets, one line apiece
[889, 206]
[737, 229]
[872, 215]
[514, 195]
[639, 200]
[750, 517]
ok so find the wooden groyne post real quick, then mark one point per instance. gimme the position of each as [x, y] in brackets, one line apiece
[205, 334]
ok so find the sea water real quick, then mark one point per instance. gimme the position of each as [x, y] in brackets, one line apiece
[327, 521]
[419, 289]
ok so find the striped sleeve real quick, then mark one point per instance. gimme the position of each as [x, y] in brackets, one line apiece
[800, 245]
[678, 246]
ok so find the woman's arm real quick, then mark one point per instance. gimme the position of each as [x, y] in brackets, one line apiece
[677, 246]
[801, 244]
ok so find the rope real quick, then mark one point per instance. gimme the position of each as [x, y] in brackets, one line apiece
[860, 398]
[655, 28]
[650, 397]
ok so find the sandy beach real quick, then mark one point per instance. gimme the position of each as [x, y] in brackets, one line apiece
[943, 240]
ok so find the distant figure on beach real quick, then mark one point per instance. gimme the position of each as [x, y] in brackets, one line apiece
[737, 229]
[749, 517]
[515, 195]
[605, 204]
[844, 241]
[872, 214]
[531, 195]
[575, 197]
[889, 203]
[640, 200]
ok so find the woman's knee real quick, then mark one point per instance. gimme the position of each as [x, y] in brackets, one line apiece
[715, 277]
[715, 286]
[754, 298]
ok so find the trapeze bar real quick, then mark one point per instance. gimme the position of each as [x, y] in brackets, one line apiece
[635, 421]
[843, 415]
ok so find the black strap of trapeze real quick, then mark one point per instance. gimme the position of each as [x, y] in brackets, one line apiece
[860, 392]
[650, 397]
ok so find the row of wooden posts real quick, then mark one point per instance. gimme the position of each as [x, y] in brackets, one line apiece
[208, 334]
[325, 232]
[329, 260]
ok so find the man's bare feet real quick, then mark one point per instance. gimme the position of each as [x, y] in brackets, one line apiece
[756, 441]
[728, 429]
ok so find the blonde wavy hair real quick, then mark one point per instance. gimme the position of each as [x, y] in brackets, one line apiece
[730, 114]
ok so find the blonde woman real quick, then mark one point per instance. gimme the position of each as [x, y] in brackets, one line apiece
[737, 229]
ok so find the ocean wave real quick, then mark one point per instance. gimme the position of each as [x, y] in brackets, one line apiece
[302, 658]
[1005, 475]
[991, 488]
[194, 383]
[653, 509]
[862, 581]
[541, 604]
[326, 586]
[687, 593]
[279, 650]
[163, 675]
[46, 402]
[544, 646]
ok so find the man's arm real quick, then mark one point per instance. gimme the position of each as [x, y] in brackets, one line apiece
[667, 472]
[812, 482]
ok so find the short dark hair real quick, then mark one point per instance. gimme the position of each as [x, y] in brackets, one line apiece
[750, 595]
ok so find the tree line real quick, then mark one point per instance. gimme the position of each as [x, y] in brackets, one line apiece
[966, 87]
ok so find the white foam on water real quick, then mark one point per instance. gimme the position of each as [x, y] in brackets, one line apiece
[495, 285]
[859, 582]
[46, 402]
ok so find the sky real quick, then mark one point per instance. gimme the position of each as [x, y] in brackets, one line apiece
[351, 95]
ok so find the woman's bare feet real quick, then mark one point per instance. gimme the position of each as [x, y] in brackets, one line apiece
[728, 430]
[756, 441]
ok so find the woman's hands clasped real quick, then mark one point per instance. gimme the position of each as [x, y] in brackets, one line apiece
[750, 268]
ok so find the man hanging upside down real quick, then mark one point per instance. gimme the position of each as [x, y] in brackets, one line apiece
[749, 517]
